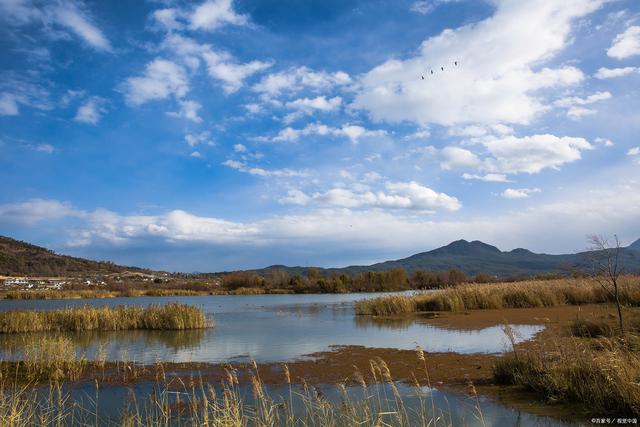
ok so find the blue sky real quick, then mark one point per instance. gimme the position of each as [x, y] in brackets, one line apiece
[219, 134]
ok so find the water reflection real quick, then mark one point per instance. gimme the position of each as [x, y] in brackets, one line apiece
[271, 328]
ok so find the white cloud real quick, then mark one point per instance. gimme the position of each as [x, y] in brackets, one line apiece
[69, 14]
[635, 151]
[626, 44]
[72, 17]
[257, 171]
[297, 79]
[511, 155]
[399, 195]
[91, 111]
[239, 148]
[221, 66]
[456, 158]
[575, 105]
[425, 6]
[608, 73]
[519, 193]
[169, 18]
[196, 154]
[8, 105]
[161, 79]
[353, 132]
[531, 154]
[604, 142]
[35, 210]
[500, 69]
[200, 138]
[320, 103]
[490, 177]
[213, 14]
[188, 110]
[43, 148]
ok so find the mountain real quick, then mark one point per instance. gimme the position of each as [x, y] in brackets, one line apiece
[478, 257]
[20, 258]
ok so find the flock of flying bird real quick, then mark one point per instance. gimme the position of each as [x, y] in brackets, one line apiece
[455, 64]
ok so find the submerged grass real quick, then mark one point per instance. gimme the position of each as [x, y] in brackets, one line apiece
[503, 295]
[171, 316]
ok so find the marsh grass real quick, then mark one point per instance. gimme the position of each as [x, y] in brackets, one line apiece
[602, 375]
[194, 402]
[171, 316]
[503, 295]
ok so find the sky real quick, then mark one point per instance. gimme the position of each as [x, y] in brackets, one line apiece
[219, 135]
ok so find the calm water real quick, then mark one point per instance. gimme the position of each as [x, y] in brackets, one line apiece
[269, 328]
[280, 328]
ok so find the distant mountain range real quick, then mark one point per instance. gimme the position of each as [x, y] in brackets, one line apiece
[20, 258]
[478, 257]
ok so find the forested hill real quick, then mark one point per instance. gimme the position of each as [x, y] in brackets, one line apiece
[19, 258]
[478, 257]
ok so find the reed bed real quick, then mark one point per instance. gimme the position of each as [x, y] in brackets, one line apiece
[602, 375]
[171, 316]
[526, 294]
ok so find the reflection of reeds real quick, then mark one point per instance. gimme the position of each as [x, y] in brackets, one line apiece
[194, 402]
[503, 295]
[400, 323]
[172, 316]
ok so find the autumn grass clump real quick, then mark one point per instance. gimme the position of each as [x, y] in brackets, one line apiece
[602, 375]
[526, 294]
[172, 316]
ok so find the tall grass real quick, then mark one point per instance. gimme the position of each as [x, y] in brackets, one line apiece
[503, 295]
[604, 378]
[194, 402]
[171, 316]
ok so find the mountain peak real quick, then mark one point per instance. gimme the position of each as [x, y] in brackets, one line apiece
[464, 247]
[635, 245]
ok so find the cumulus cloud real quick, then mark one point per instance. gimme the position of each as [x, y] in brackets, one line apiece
[308, 106]
[398, 195]
[635, 151]
[91, 111]
[551, 226]
[220, 65]
[499, 75]
[609, 73]
[576, 106]
[36, 210]
[457, 158]
[511, 155]
[626, 44]
[213, 14]
[299, 78]
[519, 193]
[188, 110]
[353, 132]
[257, 171]
[161, 79]
[199, 138]
[239, 148]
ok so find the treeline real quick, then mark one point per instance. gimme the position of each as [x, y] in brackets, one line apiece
[312, 281]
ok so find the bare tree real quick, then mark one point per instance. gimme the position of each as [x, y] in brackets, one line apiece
[607, 268]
